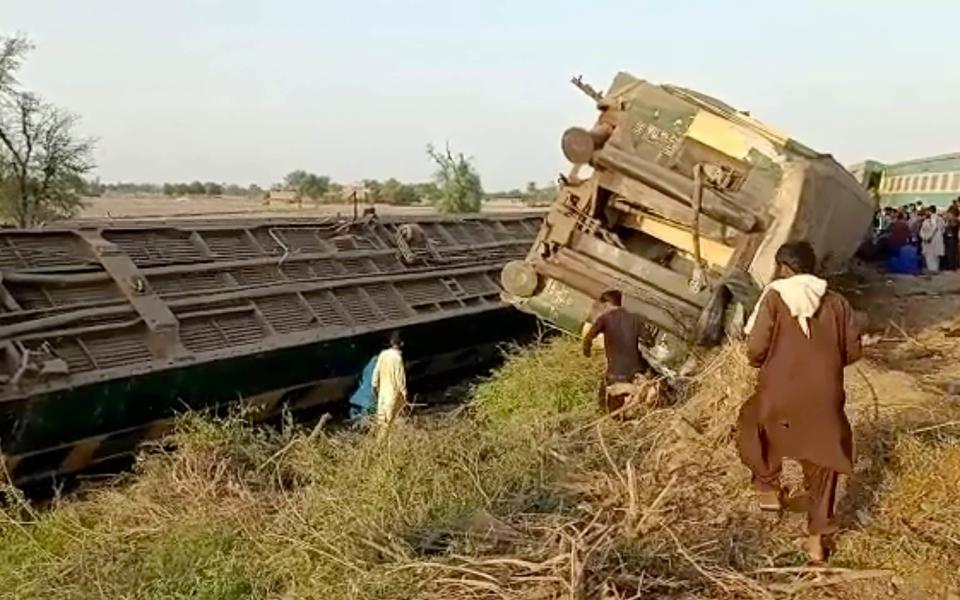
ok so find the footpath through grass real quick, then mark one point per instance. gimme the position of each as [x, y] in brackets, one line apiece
[526, 493]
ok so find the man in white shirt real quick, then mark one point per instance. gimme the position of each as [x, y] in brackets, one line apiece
[390, 383]
[931, 237]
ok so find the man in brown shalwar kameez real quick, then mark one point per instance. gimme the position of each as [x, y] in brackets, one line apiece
[801, 336]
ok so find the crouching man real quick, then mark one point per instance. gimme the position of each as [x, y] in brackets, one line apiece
[801, 336]
[623, 381]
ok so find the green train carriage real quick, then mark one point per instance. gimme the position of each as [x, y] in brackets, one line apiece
[930, 181]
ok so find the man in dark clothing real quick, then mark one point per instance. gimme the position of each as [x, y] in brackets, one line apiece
[801, 336]
[899, 233]
[951, 238]
[621, 344]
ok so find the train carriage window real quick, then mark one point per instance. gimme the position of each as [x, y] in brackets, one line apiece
[956, 182]
[897, 184]
[923, 183]
[913, 183]
[943, 181]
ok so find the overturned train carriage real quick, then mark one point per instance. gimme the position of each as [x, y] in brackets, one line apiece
[681, 202]
[108, 331]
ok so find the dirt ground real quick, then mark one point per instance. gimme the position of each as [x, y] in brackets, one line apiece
[914, 323]
[159, 206]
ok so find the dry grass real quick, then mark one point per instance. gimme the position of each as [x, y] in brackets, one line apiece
[526, 494]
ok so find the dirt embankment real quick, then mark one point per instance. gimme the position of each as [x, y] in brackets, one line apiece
[529, 494]
[164, 207]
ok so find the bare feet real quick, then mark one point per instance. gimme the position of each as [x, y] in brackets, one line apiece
[815, 549]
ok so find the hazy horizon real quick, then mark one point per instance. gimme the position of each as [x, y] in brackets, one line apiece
[244, 92]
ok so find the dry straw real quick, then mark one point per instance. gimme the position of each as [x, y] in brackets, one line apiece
[526, 494]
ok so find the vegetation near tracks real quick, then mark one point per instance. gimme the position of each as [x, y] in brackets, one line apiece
[527, 493]
[42, 160]
[458, 184]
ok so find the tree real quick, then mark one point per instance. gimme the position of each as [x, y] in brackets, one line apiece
[374, 191]
[213, 189]
[12, 51]
[92, 187]
[42, 163]
[427, 192]
[459, 183]
[307, 184]
[395, 192]
[541, 196]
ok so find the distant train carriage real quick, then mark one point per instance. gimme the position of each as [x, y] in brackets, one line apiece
[930, 181]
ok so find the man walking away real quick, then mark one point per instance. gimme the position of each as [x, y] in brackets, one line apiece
[801, 336]
[621, 344]
[931, 237]
[390, 383]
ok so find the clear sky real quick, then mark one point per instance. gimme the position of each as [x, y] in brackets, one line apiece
[244, 91]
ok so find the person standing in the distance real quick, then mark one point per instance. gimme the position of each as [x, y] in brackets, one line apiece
[801, 336]
[390, 383]
[915, 221]
[951, 238]
[931, 239]
[621, 344]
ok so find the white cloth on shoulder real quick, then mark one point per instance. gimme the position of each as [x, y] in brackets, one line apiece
[801, 293]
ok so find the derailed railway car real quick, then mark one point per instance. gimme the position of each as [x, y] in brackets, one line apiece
[107, 331]
[681, 201]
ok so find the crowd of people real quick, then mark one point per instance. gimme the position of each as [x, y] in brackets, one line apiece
[914, 239]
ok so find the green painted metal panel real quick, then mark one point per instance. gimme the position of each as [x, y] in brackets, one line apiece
[933, 164]
[940, 200]
[64, 416]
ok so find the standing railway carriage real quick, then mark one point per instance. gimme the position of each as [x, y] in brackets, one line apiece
[930, 181]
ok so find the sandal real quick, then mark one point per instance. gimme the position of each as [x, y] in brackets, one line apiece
[771, 500]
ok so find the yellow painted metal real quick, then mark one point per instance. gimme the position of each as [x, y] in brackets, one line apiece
[729, 137]
[712, 251]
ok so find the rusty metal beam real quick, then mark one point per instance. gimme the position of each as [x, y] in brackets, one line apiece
[675, 185]
[163, 327]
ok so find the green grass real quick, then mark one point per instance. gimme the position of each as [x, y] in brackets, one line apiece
[526, 491]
